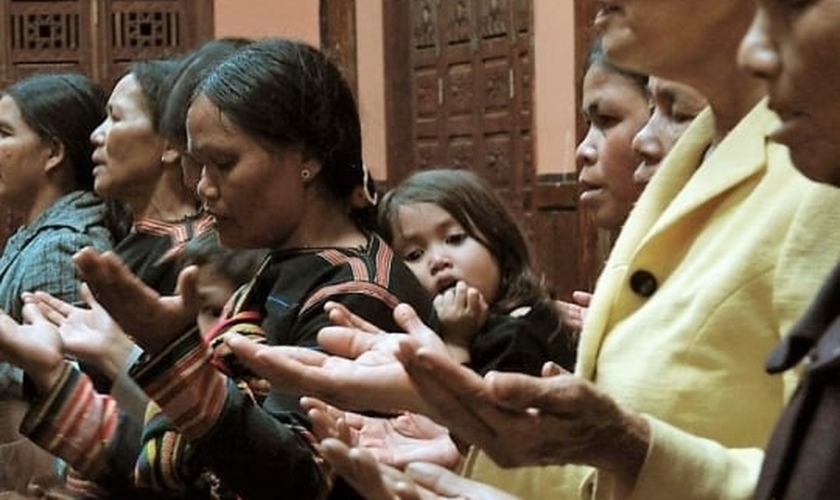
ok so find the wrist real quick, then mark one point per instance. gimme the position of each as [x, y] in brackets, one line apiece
[459, 353]
[115, 356]
[45, 380]
[629, 451]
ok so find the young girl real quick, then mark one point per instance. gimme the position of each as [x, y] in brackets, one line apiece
[464, 246]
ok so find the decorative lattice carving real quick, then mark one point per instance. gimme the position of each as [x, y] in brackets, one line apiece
[494, 20]
[136, 29]
[424, 17]
[522, 12]
[47, 31]
[459, 89]
[459, 21]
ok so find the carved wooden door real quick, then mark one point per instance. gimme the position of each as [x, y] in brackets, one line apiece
[470, 74]
[459, 93]
[96, 37]
[466, 66]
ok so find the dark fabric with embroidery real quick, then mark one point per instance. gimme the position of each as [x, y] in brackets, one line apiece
[182, 470]
[283, 305]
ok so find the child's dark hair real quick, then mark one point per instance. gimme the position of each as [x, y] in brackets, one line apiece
[472, 202]
[238, 265]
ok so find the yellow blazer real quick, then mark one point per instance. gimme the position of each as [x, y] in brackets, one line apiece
[712, 267]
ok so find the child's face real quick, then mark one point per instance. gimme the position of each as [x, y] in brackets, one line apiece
[440, 252]
[214, 290]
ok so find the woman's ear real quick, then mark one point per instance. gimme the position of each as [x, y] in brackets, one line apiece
[309, 169]
[57, 155]
[171, 156]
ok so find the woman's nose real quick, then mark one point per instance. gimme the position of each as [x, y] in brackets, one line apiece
[647, 145]
[757, 53]
[587, 152]
[205, 188]
[97, 137]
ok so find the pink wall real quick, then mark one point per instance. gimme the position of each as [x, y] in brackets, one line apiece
[554, 85]
[259, 18]
[371, 74]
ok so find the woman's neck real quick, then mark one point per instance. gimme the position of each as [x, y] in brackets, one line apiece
[38, 204]
[168, 200]
[327, 225]
[166, 210]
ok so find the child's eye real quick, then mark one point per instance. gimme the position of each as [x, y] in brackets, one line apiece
[413, 255]
[456, 239]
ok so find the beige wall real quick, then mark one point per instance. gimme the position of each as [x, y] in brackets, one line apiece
[259, 18]
[371, 75]
[554, 86]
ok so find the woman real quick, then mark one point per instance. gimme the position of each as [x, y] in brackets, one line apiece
[789, 47]
[786, 46]
[137, 165]
[47, 181]
[674, 106]
[45, 178]
[615, 104]
[284, 180]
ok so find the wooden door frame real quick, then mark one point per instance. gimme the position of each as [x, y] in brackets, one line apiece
[399, 118]
[337, 27]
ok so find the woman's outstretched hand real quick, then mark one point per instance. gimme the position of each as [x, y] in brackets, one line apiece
[151, 319]
[420, 480]
[34, 346]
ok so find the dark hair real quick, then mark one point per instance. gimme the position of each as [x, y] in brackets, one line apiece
[238, 265]
[472, 202]
[65, 107]
[185, 79]
[153, 76]
[597, 57]
[287, 94]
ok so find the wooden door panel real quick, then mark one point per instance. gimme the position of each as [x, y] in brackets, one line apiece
[459, 92]
[97, 37]
[44, 36]
[135, 30]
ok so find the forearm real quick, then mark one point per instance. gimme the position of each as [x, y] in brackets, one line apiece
[113, 360]
[72, 421]
[129, 395]
[251, 451]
